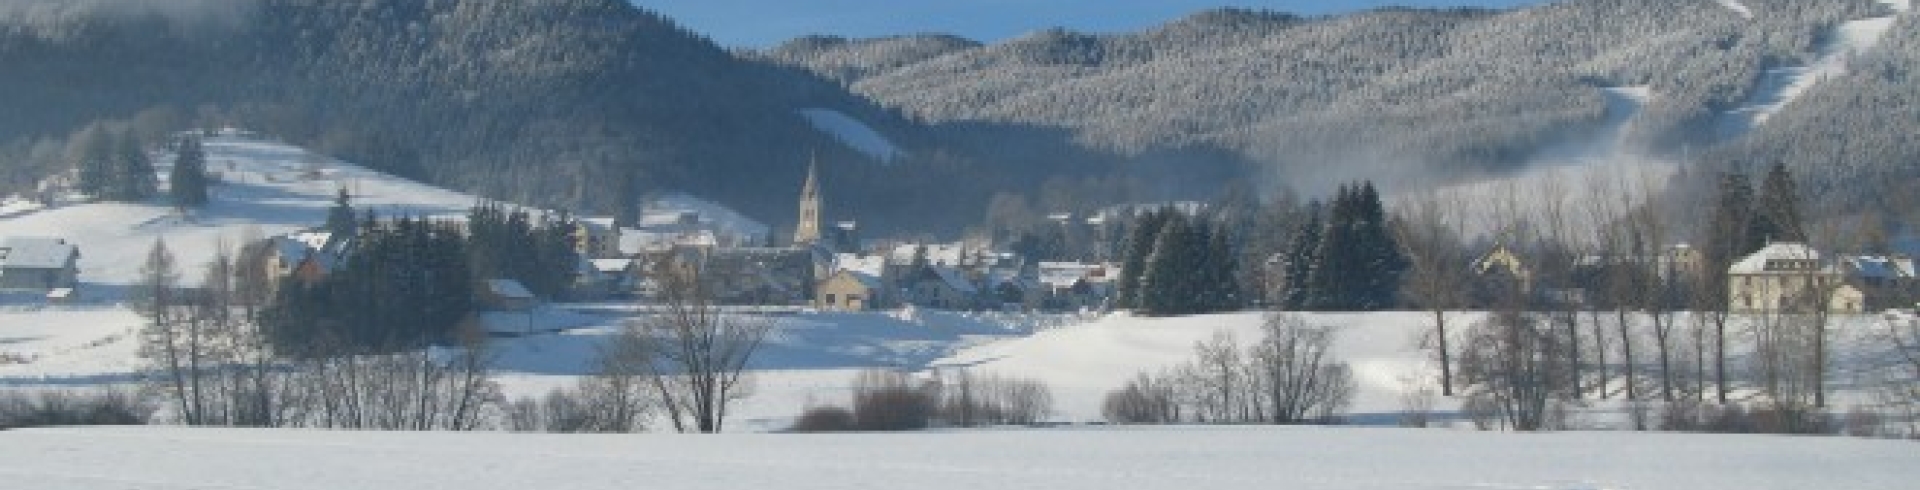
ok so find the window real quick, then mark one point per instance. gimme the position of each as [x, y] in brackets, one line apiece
[829, 299]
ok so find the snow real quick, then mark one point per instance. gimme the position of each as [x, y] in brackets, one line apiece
[853, 133]
[1184, 458]
[269, 189]
[1780, 86]
[1081, 363]
[1898, 5]
[723, 219]
[1736, 7]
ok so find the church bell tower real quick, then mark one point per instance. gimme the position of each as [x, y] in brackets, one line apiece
[807, 232]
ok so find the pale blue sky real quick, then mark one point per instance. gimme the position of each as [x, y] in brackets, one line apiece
[761, 23]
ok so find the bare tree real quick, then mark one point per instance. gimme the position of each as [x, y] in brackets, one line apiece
[1518, 366]
[1426, 227]
[699, 353]
[1302, 380]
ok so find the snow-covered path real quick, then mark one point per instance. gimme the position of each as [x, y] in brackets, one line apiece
[1061, 459]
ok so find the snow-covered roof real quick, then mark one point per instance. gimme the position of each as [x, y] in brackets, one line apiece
[1879, 267]
[612, 265]
[941, 254]
[1780, 257]
[954, 279]
[35, 253]
[866, 280]
[508, 288]
[872, 265]
[1061, 275]
[669, 219]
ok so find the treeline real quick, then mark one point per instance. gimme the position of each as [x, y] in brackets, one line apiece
[406, 282]
[1176, 264]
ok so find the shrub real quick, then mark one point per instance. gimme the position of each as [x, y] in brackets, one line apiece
[824, 419]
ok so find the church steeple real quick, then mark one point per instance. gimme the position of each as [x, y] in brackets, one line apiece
[807, 232]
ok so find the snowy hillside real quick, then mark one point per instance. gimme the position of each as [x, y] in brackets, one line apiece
[269, 188]
[853, 133]
[1180, 458]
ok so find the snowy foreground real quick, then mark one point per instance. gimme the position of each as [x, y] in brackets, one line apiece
[1153, 458]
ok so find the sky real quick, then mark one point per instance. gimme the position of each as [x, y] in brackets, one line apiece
[764, 23]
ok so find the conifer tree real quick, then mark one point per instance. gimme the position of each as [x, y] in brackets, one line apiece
[1778, 207]
[1165, 285]
[91, 151]
[132, 176]
[340, 218]
[189, 177]
[1140, 242]
[1301, 255]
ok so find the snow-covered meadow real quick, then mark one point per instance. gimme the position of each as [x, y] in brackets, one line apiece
[1173, 458]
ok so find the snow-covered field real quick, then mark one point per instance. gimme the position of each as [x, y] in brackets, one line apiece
[1179, 458]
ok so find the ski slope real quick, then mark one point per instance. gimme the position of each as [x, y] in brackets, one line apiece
[1780, 86]
[1169, 458]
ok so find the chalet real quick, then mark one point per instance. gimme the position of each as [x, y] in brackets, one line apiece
[37, 263]
[849, 290]
[1789, 277]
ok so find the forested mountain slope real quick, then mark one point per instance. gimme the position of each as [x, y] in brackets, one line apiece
[580, 104]
[1421, 92]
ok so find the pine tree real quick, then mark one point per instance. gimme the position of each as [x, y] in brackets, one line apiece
[1334, 268]
[1383, 263]
[1165, 285]
[1224, 265]
[1778, 208]
[340, 218]
[189, 177]
[91, 151]
[1301, 255]
[1139, 245]
[132, 176]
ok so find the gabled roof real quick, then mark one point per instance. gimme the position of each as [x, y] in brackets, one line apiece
[1774, 253]
[508, 288]
[953, 279]
[866, 280]
[36, 253]
[1880, 267]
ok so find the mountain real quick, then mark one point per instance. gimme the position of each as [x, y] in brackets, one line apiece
[1414, 96]
[571, 104]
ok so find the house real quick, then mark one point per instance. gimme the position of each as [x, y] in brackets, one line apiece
[506, 295]
[850, 290]
[1010, 290]
[1886, 281]
[941, 287]
[38, 263]
[1075, 285]
[1790, 277]
[1507, 275]
[307, 257]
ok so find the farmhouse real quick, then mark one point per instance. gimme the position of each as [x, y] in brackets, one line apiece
[38, 263]
[1790, 277]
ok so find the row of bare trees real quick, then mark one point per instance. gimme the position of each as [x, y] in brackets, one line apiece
[210, 361]
[1288, 376]
[1599, 298]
